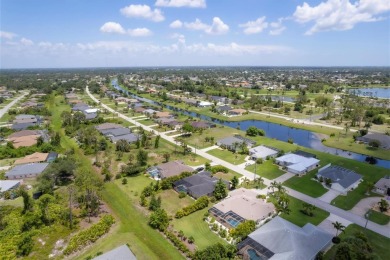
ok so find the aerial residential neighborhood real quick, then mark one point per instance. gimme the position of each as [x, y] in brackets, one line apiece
[195, 129]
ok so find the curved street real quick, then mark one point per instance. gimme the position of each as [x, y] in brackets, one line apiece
[383, 230]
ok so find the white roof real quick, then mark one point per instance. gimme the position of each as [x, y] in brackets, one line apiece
[91, 110]
[262, 151]
[288, 241]
[297, 162]
[205, 103]
[7, 185]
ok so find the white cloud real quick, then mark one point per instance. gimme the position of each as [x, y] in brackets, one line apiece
[176, 24]
[7, 35]
[180, 37]
[112, 27]
[277, 27]
[253, 27]
[139, 32]
[26, 42]
[143, 11]
[218, 26]
[340, 15]
[181, 3]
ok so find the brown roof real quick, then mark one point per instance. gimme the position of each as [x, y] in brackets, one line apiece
[75, 101]
[108, 126]
[173, 168]
[139, 109]
[25, 141]
[32, 158]
[163, 114]
[23, 133]
[237, 110]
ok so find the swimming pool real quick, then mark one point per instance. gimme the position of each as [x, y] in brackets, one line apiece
[253, 254]
[233, 222]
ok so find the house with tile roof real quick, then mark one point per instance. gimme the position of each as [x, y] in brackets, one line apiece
[343, 179]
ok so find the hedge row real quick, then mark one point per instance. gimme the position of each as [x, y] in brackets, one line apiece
[199, 204]
[219, 168]
[178, 243]
[89, 235]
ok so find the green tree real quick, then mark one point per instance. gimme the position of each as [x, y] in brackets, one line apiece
[159, 220]
[383, 205]
[122, 146]
[234, 182]
[166, 157]
[156, 142]
[338, 226]
[28, 202]
[308, 209]
[220, 190]
[142, 157]
[25, 245]
[187, 128]
[155, 203]
[43, 204]
[243, 229]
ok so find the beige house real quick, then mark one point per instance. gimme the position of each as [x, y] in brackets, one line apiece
[242, 204]
[32, 158]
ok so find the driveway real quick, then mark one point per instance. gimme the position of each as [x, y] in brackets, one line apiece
[364, 205]
[209, 148]
[329, 196]
[284, 177]
[328, 226]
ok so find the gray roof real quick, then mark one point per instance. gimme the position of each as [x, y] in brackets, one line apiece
[131, 138]
[224, 108]
[24, 116]
[340, 175]
[89, 116]
[120, 253]
[262, 151]
[116, 131]
[21, 126]
[229, 141]
[105, 126]
[26, 169]
[199, 184]
[383, 183]
[288, 241]
[8, 184]
[382, 138]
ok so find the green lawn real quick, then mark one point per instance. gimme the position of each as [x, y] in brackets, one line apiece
[300, 219]
[193, 225]
[227, 176]
[146, 122]
[171, 202]
[233, 158]
[198, 139]
[379, 243]
[145, 242]
[379, 217]
[306, 185]
[267, 170]
[131, 226]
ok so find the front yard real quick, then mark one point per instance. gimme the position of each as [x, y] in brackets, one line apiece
[267, 170]
[233, 158]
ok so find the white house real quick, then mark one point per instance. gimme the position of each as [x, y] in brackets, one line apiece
[205, 104]
[297, 164]
[262, 152]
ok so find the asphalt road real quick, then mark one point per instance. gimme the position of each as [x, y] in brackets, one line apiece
[7, 107]
[383, 230]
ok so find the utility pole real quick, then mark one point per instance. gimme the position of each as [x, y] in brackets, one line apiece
[254, 176]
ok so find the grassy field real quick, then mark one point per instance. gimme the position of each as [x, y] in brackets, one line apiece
[267, 170]
[198, 139]
[146, 122]
[300, 219]
[380, 244]
[306, 185]
[226, 155]
[171, 202]
[193, 225]
[227, 176]
[379, 218]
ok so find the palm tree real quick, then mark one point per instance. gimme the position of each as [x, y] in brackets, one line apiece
[273, 186]
[383, 205]
[260, 181]
[339, 227]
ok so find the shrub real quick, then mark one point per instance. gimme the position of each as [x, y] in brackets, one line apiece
[199, 204]
[177, 242]
[89, 235]
[219, 168]
[336, 240]
[124, 181]
[182, 194]
[167, 182]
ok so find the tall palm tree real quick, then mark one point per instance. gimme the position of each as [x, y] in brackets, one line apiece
[273, 186]
[339, 227]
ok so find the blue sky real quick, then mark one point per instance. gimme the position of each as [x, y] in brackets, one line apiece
[116, 33]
